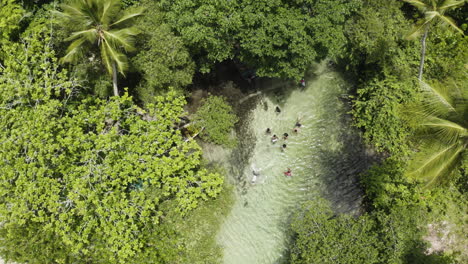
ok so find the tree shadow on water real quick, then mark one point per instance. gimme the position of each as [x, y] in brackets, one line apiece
[341, 167]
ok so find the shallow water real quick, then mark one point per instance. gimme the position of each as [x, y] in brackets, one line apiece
[325, 156]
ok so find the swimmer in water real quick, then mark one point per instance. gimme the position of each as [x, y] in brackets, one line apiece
[255, 175]
[277, 110]
[268, 131]
[283, 147]
[297, 126]
[285, 136]
[302, 82]
[274, 138]
[298, 123]
[288, 173]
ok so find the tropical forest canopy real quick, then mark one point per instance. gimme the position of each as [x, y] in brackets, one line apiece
[100, 156]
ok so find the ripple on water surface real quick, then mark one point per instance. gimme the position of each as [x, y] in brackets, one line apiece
[255, 230]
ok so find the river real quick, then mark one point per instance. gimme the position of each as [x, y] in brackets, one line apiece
[325, 157]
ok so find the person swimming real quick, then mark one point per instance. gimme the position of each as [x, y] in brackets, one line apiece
[297, 126]
[277, 110]
[298, 123]
[288, 172]
[283, 147]
[285, 136]
[274, 138]
[256, 173]
[268, 131]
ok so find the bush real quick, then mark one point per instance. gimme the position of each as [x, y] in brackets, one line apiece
[217, 119]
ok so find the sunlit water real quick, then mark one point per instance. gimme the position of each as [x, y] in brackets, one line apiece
[325, 156]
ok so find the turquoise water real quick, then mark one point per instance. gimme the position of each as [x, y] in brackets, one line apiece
[324, 157]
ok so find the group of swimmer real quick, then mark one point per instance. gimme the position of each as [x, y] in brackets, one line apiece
[275, 138]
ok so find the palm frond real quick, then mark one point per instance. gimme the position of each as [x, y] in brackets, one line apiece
[450, 22]
[121, 38]
[75, 13]
[90, 35]
[447, 131]
[115, 56]
[430, 15]
[128, 16]
[417, 29]
[106, 59]
[418, 4]
[434, 161]
[447, 4]
[436, 94]
[73, 51]
[110, 8]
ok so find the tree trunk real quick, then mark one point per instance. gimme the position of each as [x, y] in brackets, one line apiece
[114, 79]
[423, 53]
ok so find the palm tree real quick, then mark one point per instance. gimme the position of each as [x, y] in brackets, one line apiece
[441, 119]
[97, 22]
[433, 10]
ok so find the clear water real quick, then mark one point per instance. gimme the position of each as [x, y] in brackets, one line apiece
[324, 156]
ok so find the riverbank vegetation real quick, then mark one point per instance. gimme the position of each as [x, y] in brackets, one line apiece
[101, 167]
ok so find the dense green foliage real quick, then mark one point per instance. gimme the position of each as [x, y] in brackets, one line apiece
[10, 15]
[94, 177]
[322, 237]
[378, 108]
[382, 62]
[162, 58]
[215, 120]
[88, 178]
[277, 38]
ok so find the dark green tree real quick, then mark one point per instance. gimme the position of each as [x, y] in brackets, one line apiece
[162, 58]
[276, 38]
[322, 237]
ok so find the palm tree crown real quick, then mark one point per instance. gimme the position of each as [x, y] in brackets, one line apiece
[433, 10]
[97, 22]
[442, 122]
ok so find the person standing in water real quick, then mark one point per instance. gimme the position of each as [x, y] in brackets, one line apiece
[285, 136]
[283, 147]
[255, 175]
[288, 172]
[277, 110]
[274, 138]
[268, 131]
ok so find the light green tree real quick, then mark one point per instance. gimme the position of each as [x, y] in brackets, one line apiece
[10, 15]
[433, 11]
[441, 119]
[214, 120]
[99, 23]
[89, 180]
